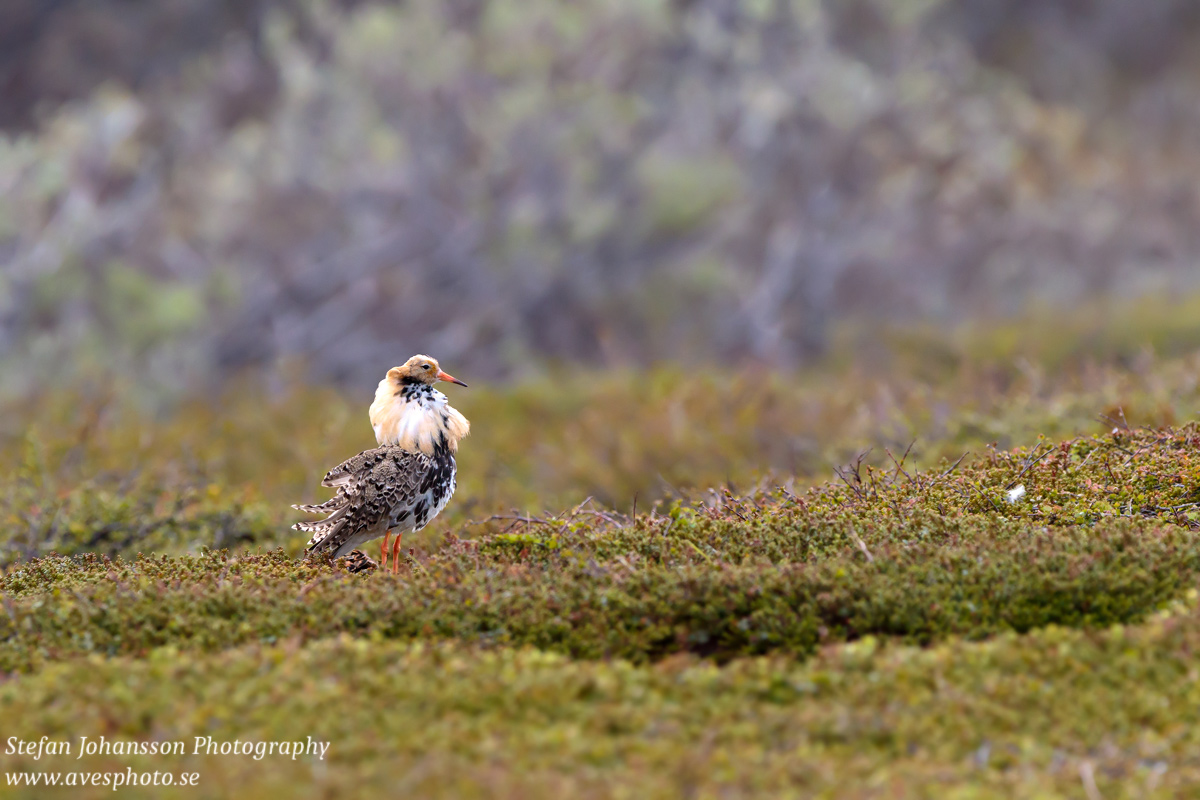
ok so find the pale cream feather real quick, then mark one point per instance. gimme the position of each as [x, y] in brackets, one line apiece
[415, 425]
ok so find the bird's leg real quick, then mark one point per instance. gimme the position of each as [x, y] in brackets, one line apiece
[383, 550]
[396, 553]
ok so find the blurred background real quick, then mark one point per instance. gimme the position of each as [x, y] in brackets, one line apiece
[670, 244]
[190, 189]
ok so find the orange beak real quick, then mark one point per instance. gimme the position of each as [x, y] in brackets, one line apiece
[442, 376]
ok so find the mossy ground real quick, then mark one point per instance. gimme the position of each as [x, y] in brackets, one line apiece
[910, 627]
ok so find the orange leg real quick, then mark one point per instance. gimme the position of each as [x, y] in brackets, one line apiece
[383, 550]
[396, 554]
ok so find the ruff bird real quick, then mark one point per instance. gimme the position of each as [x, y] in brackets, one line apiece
[402, 484]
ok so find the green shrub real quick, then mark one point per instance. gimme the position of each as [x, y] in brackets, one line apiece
[969, 582]
[1018, 716]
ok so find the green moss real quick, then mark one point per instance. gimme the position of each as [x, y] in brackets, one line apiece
[665, 594]
[1015, 716]
[1102, 535]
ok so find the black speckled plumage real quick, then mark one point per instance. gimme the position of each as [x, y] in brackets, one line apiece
[357, 561]
[378, 490]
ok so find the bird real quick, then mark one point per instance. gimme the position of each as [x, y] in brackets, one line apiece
[404, 482]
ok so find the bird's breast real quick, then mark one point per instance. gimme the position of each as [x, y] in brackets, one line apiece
[420, 424]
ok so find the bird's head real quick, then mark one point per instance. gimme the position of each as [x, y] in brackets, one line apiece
[416, 419]
[420, 369]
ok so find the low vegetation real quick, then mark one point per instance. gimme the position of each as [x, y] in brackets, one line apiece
[98, 469]
[1040, 715]
[989, 610]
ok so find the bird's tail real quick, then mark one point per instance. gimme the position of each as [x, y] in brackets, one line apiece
[321, 529]
[321, 508]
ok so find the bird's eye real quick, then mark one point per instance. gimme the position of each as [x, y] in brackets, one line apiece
[424, 366]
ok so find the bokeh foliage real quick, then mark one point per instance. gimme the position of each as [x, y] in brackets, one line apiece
[504, 184]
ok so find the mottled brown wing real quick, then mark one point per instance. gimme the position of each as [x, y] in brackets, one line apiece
[371, 487]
